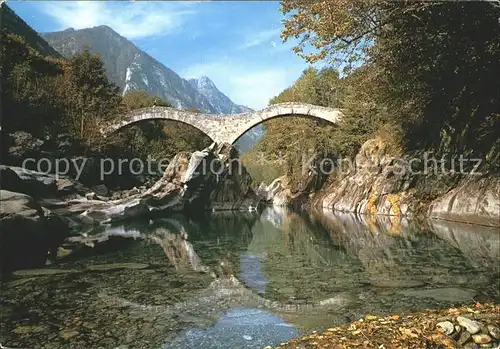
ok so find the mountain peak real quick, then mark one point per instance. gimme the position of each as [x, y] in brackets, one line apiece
[132, 70]
[105, 27]
[220, 101]
[203, 82]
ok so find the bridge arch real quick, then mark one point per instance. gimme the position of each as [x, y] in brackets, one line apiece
[246, 122]
[193, 119]
[225, 128]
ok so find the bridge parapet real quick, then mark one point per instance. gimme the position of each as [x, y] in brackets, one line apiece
[225, 127]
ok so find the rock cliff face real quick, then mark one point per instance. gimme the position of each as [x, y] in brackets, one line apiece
[377, 184]
[473, 201]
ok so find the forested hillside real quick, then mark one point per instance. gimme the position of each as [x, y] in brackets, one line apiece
[421, 75]
[15, 25]
[132, 69]
[47, 95]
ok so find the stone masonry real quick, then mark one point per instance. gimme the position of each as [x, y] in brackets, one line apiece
[226, 128]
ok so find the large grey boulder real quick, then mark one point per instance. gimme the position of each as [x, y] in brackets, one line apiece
[27, 232]
[38, 184]
[9, 180]
[476, 200]
[212, 179]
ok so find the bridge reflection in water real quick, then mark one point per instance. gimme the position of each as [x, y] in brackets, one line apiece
[249, 280]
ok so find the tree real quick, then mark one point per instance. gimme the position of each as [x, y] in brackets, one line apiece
[27, 80]
[88, 96]
[433, 66]
[293, 138]
[156, 138]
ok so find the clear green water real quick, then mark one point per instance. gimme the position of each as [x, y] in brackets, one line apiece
[243, 280]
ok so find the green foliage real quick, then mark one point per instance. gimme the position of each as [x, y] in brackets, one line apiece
[156, 138]
[28, 83]
[290, 141]
[320, 87]
[13, 24]
[46, 96]
[430, 78]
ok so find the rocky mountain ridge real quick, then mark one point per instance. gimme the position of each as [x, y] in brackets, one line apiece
[132, 69]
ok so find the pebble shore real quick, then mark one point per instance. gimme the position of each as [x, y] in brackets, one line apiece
[470, 327]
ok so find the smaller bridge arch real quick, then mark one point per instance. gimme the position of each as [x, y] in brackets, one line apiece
[225, 128]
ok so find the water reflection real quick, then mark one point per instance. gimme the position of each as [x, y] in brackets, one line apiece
[177, 248]
[238, 328]
[482, 249]
[246, 281]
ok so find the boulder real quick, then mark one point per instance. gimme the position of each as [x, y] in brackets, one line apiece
[9, 180]
[27, 233]
[476, 200]
[267, 193]
[211, 179]
[100, 190]
[39, 184]
[36, 184]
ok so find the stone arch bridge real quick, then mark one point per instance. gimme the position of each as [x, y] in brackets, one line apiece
[225, 128]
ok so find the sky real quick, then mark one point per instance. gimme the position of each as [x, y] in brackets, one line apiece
[235, 43]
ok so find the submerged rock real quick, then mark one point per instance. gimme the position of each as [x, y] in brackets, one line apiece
[449, 294]
[474, 201]
[43, 272]
[27, 232]
[113, 266]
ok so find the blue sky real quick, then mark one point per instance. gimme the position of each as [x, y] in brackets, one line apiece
[235, 43]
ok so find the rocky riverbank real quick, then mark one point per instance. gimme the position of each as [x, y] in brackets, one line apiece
[380, 183]
[477, 326]
[39, 210]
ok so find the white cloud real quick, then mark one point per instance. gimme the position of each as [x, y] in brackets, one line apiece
[259, 38]
[133, 20]
[247, 84]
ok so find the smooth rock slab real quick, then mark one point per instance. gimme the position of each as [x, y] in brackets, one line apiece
[43, 272]
[446, 294]
[102, 267]
[494, 331]
[481, 338]
[396, 283]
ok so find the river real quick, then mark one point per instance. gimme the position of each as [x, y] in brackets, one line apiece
[248, 280]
